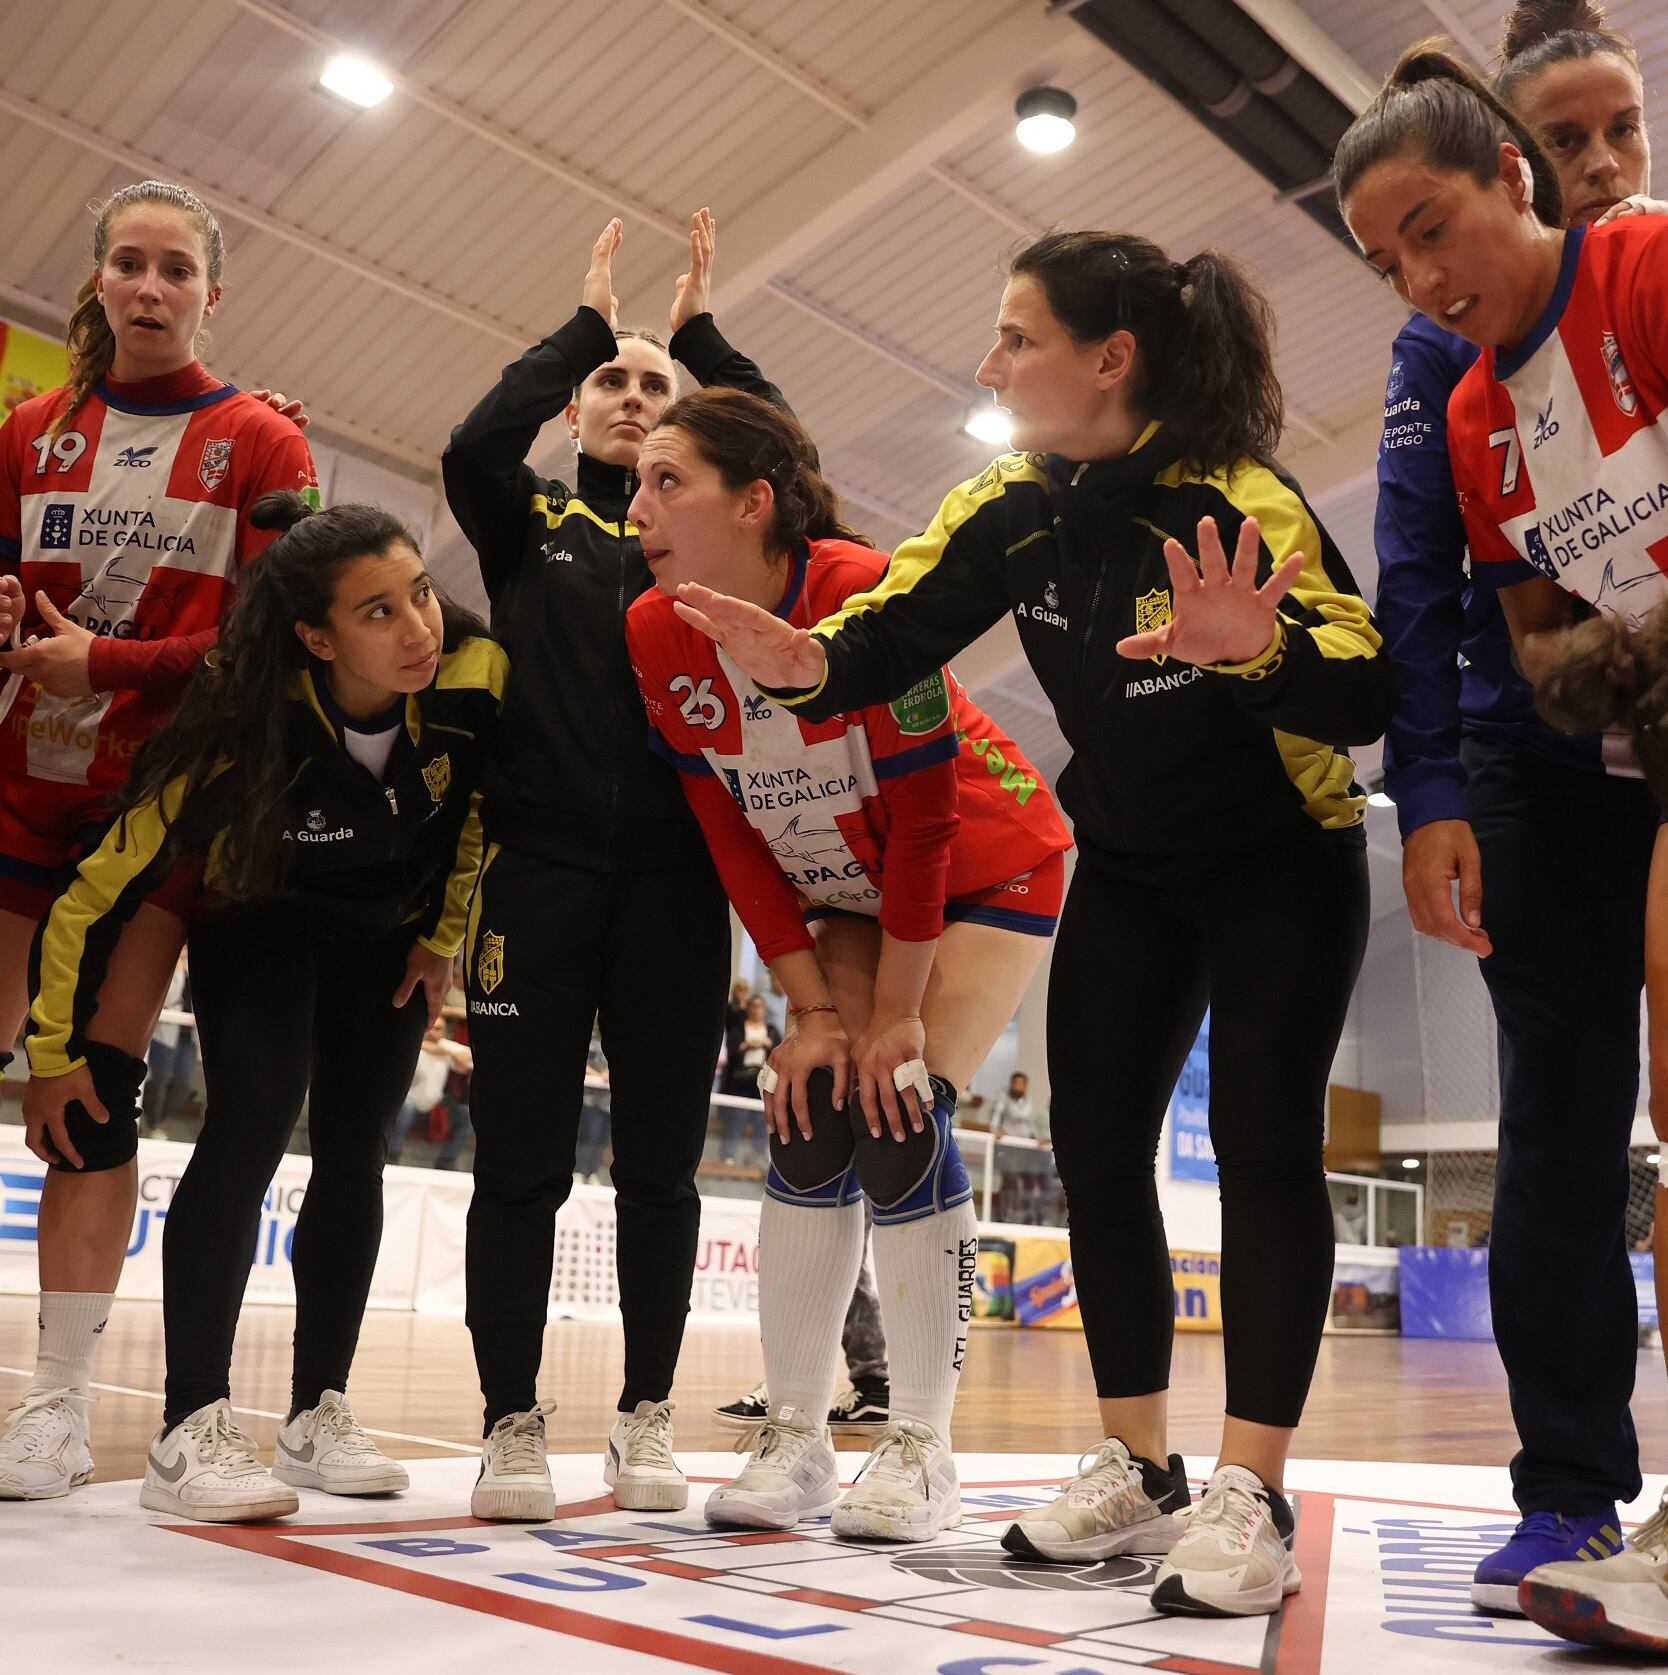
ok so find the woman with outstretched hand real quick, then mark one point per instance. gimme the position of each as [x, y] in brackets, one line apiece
[1221, 856]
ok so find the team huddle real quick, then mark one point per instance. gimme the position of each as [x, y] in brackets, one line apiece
[233, 716]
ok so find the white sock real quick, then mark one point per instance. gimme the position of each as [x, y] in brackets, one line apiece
[808, 1262]
[70, 1322]
[924, 1271]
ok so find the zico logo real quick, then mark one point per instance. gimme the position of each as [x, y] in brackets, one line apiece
[140, 457]
[1012, 776]
[20, 1201]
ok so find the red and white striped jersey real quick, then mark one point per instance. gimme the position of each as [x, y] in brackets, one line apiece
[133, 520]
[887, 811]
[1559, 453]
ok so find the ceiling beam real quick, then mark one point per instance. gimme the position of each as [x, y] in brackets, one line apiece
[1286, 23]
[227, 203]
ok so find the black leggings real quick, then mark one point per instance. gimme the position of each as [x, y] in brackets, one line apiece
[553, 949]
[1272, 942]
[282, 1017]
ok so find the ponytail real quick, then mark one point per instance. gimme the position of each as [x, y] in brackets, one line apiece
[745, 437]
[1435, 108]
[1606, 676]
[91, 342]
[1204, 336]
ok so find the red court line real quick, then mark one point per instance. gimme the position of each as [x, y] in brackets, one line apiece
[1008, 1631]
[668, 1567]
[828, 1601]
[631, 1637]
[1303, 1622]
[1183, 1664]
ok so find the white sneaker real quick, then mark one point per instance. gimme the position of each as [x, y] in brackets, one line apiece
[639, 1467]
[907, 1490]
[205, 1468]
[1621, 1601]
[44, 1452]
[514, 1482]
[1234, 1557]
[790, 1476]
[1117, 1503]
[326, 1448]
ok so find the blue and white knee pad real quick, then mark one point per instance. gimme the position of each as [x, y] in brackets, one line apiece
[819, 1173]
[921, 1175]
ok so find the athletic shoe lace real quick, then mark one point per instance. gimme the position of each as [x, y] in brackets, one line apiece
[335, 1419]
[222, 1444]
[771, 1444]
[1651, 1538]
[1111, 1469]
[648, 1437]
[517, 1441]
[899, 1456]
[1228, 1509]
[31, 1421]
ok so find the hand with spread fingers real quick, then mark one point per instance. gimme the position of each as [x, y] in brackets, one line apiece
[598, 291]
[279, 403]
[817, 1039]
[57, 661]
[1217, 615]
[766, 649]
[695, 287]
[884, 1050]
[433, 971]
[46, 1100]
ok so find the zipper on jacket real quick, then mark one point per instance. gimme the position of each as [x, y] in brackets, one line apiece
[393, 801]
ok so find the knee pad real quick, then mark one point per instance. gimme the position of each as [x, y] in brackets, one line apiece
[921, 1176]
[817, 1173]
[116, 1079]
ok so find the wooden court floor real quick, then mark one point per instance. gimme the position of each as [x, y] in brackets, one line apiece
[1373, 1399]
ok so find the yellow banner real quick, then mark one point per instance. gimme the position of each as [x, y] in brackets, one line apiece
[29, 364]
[1029, 1279]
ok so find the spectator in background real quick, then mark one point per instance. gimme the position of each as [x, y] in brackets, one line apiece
[748, 1042]
[435, 1063]
[595, 1110]
[1011, 1115]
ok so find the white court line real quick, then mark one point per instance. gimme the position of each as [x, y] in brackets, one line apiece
[267, 1413]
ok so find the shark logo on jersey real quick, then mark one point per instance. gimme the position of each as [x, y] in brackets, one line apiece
[1621, 386]
[215, 463]
[794, 844]
[57, 525]
[757, 708]
[110, 589]
[140, 457]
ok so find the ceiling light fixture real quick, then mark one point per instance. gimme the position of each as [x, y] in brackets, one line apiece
[1410, 1163]
[1045, 119]
[356, 81]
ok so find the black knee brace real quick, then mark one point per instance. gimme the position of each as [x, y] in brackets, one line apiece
[116, 1080]
[816, 1173]
[920, 1175]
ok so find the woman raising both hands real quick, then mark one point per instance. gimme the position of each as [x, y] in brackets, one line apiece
[1222, 860]
[592, 858]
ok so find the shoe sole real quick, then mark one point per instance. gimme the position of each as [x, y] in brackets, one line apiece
[55, 1491]
[653, 1494]
[1499, 1599]
[865, 1524]
[1583, 1618]
[735, 1421]
[246, 1512]
[390, 1479]
[859, 1427]
[513, 1506]
[1172, 1598]
[747, 1513]
[1151, 1539]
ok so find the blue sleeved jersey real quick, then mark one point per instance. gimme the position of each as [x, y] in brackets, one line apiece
[1447, 639]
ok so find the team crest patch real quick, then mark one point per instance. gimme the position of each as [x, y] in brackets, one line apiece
[489, 962]
[925, 707]
[216, 461]
[1621, 386]
[437, 776]
[1152, 612]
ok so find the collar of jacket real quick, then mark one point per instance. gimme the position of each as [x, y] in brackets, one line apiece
[1110, 479]
[301, 691]
[606, 489]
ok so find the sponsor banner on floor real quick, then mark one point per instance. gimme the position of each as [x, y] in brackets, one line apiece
[1386, 1553]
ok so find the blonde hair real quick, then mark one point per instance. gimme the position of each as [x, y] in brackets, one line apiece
[91, 343]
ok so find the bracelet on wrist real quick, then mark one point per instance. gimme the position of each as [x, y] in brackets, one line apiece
[819, 1006]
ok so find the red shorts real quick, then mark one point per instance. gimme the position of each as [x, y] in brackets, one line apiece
[45, 829]
[1029, 903]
